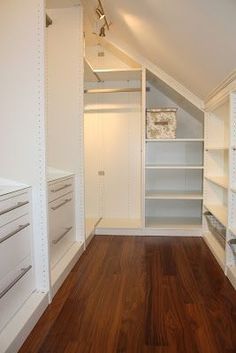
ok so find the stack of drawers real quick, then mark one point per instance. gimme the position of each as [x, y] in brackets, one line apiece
[16, 269]
[61, 217]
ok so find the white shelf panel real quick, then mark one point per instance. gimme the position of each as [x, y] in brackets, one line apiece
[233, 189]
[176, 140]
[119, 74]
[173, 195]
[173, 222]
[217, 250]
[220, 181]
[174, 167]
[219, 211]
[216, 148]
[119, 223]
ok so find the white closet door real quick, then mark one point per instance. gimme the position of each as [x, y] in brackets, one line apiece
[122, 165]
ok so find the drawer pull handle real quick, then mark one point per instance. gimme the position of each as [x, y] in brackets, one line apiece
[19, 204]
[61, 188]
[62, 236]
[61, 204]
[13, 283]
[14, 232]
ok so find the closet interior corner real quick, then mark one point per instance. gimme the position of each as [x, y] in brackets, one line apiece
[95, 143]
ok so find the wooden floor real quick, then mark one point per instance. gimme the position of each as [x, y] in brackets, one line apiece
[141, 295]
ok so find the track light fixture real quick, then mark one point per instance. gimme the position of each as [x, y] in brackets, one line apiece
[102, 16]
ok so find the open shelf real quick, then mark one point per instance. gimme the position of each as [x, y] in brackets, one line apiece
[220, 181]
[173, 195]
[119, 223]
[173, 222]
[219, 211]
[129, 74]
[176, 140]
[174, 166]
[216, 248]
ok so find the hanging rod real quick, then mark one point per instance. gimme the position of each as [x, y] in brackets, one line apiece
[114, 90]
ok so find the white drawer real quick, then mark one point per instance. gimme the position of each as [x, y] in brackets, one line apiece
[59, 188]
[14, 290]
[61, 216]
[61, 226]
[15, 244]
[14, 206]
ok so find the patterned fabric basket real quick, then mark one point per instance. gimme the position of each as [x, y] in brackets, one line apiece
[216, 228]
[161, 123]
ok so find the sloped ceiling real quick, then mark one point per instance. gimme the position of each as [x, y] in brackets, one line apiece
[194, 41]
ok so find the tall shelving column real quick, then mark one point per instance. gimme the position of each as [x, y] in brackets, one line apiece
[217, 169]
[231, 233]
[174, 166]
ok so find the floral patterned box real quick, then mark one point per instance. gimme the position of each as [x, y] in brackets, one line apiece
[161, 123]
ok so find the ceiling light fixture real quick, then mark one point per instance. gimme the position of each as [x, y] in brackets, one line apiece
[102, 16]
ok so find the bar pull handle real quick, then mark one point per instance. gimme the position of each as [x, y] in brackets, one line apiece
[14, 232]
[61, 188]
[61, 204]
[62, 236]
[13, 283]
[19, 204]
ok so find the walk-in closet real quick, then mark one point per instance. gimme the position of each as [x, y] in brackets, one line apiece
[117, 177]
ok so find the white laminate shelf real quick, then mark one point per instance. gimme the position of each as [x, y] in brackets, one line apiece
[216, 248]
[150, 166]
[176, 140]
[173, 195]
[56, 174]
[220, 181]
[216, 148]
[219, 211]
[129, 74]
[173, 222]
[119, 223]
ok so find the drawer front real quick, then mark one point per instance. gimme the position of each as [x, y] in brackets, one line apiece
[13, 207]
[61, 216]
[15, 244]
[61, 226]
[60, 188]
[14, 290]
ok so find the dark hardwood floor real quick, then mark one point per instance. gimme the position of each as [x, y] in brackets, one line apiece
[140, 295]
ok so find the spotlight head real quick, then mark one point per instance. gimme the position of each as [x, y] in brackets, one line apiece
[100, 14]
[102, 32]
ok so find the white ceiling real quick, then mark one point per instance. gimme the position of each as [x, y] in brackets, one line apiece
[194, 41]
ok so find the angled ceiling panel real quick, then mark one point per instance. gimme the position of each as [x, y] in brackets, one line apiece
[191, 40]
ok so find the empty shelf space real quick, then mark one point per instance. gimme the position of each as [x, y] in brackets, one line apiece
[130, 74]
[216, 248]
[150, 166]
[119, 223]
[220, 181]
[173, 222]
[176, 140]
[173, 195]
[219, 211]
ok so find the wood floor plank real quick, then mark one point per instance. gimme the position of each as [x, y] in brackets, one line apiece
[140, 295]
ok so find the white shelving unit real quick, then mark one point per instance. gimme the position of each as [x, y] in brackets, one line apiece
[174, 167]
[220, 167]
